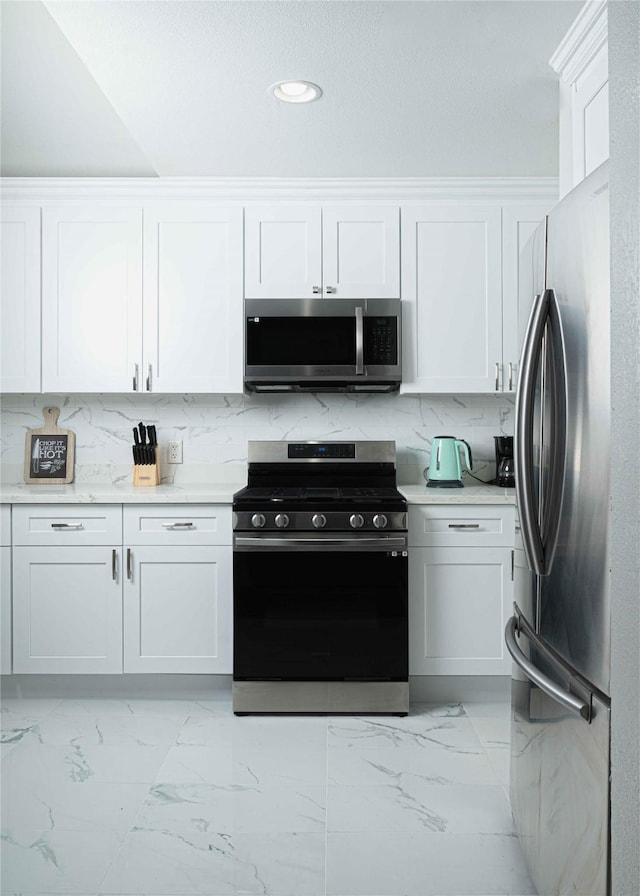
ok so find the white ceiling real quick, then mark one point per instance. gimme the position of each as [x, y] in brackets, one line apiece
[158, 87]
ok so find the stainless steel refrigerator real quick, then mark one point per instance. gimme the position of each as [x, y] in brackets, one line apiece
[559, 635]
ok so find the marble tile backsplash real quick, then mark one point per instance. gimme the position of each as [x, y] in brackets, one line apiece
[215, 429]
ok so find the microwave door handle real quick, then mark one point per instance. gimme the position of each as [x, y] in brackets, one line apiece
[359, 341]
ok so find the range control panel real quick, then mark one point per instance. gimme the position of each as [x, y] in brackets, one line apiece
[321, 450]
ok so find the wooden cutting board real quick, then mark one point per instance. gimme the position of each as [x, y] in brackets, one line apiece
[49, 451]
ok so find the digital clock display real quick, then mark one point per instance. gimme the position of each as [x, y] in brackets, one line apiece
[324, 450]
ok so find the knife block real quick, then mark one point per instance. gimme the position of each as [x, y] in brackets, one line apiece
[146, 474]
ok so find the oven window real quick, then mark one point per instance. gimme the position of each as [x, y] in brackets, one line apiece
[320, 616]
[301, 340]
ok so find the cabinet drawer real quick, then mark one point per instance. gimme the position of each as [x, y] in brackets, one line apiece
[5, 524]
[67, 524]
[177, 524]
[463, 526]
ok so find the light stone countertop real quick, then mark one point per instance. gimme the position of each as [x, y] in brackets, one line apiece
[120, 493]
[217, 493]
[469, 494]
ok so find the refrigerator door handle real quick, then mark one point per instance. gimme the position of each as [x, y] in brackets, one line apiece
[525, 404]
[557, 387]
[558, 693]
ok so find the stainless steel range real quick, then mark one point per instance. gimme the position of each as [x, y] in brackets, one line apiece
[320, 580]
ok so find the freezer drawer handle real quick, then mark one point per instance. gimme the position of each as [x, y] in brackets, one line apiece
[555, 691]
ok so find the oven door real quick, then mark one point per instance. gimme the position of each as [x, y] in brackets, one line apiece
[320, 608]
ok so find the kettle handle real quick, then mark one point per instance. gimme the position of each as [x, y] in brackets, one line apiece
[467, 452]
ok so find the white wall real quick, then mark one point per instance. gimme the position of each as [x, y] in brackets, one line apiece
[215, 428]
[624, 98]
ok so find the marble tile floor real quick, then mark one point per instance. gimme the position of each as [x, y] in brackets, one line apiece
[177, 797]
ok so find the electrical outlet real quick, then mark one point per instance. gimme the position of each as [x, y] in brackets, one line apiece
[174, 453]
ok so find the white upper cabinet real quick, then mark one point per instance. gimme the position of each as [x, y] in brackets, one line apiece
[582, 62]
[518, 225]
[361, 252]
[91, 298]
[20, 292]
[344, 252]
[192, 320]
[112, 324]
[452, 298]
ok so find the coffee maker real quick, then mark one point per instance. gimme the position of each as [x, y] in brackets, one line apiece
[505, 464]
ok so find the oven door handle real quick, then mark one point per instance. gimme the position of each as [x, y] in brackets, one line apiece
[384, 543]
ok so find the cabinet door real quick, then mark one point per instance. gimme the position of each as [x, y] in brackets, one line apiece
[91, 299]
[459, 602]
[523, 585]
[178, 610]
[20, 299]
[193, 299]
[67, 610]
[518, 226]
[361, 252]
[283, 252]
[452, 298]
[590, 116]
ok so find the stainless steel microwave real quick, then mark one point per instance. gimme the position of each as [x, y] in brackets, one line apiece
[322, 345]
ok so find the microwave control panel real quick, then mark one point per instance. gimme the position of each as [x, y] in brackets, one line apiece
[381, 340]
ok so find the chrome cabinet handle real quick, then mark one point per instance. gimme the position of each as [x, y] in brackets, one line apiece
[510, 376]
[464, 525]
[149, 378]
[316, 290]
[178, 525]
[114, 565]
[135, 377]
[330, 289]
[67, 526]
[497, 376]
[129, 564]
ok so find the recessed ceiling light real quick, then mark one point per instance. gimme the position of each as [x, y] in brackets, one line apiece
[296, 91]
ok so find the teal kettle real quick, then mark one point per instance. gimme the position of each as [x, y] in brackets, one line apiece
[445, 469]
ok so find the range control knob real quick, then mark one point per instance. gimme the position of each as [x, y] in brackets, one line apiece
[318, 520]
[356, 521]
[282, 520]
[380, 521]
[258, 520]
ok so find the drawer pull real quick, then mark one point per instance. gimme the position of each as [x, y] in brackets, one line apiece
[67, 526]
[114, 565]
[177, 525]
[464, 525]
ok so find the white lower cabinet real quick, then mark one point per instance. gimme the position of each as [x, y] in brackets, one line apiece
[460, 589]
[87, 601]
[67, 611]
[177, 590]
[67, 588]
[523, 578]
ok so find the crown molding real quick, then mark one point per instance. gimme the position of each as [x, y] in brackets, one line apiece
[586, 36]
[243, 191]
